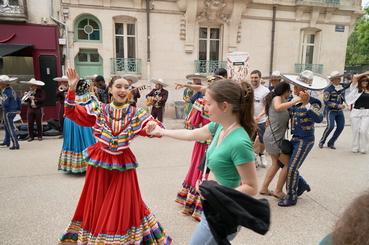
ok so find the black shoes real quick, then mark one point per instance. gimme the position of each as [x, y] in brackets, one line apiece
[302, 189]
[321, 145]
[4, 144]
[286, 202]
[332, 147]
[14, 147]
[30, 139]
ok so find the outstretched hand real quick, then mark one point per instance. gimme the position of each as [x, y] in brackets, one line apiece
[152, 128]
[73, 78]
[180, 85]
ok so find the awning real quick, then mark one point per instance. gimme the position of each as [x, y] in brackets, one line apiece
[12, 49]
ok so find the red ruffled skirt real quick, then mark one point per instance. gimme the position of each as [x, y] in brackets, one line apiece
[188, 197]
[111, 209]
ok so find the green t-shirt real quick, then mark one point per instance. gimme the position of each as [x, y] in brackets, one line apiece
[235, 149]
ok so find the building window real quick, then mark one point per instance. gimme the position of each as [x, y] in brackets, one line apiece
[308, 48]
[125, 40]
[209, 43]
[209, 50]
[90, 56]
[88, 28]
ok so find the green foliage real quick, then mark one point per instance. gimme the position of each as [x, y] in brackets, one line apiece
[358, 43]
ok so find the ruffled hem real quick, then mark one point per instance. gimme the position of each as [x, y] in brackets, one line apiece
[149, 232]
[97, 157]
[71, 162]
[190, 199]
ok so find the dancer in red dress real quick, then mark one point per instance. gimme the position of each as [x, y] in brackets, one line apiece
[188, 197]
[111, 209]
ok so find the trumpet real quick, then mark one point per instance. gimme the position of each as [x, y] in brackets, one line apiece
[63, 88]
[27, 95]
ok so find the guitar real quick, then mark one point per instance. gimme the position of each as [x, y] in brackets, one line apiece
[131, 92]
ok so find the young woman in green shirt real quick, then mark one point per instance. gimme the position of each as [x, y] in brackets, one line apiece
[230, 156]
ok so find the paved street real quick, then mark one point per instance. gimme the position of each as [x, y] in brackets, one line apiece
[37, 202]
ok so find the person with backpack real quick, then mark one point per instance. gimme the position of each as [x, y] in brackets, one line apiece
[11, 107]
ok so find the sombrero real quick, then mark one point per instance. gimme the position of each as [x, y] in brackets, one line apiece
[34, 82]
[64, 78]
[276, 75]
[212, 78]
[6, 79]
[91, 77]
[132, 78]
[308, 80]
[159, 81]
[196, 76]
[335, 74]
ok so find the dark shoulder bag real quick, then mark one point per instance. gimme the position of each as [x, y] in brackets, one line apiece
[284, 145]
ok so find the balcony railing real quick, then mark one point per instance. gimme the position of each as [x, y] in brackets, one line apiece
[318, 2]
[208, 66]
[125, 65]
[316, 68]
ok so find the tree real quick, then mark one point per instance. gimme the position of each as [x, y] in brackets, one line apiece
[358, 43]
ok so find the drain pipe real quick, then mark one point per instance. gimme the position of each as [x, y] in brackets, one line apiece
[148, 66]
[66, 62]
[272, 42]
[66, 40]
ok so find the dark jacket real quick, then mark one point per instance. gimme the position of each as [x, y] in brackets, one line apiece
[40, 96]
[11, 101]
[160, 93]
[225, 209]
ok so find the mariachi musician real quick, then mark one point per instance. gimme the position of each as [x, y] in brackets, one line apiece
[11, 107]
[35, 98]
[303, 117]
[134, 90]
[159, 97]
[60, 97]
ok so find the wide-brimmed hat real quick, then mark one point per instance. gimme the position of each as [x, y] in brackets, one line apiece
[91, 77]
[335, 74]
[34, 82]
[132, 78]
[7, 79]
[212, 78]
[196, 76]
[308, 80]
[63, 78]
[159, 81]
[276, 75]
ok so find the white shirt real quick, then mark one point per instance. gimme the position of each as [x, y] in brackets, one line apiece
[259, 103]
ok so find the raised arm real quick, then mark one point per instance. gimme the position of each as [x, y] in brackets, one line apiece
[279, 106]
[73, 111]
[355, 78]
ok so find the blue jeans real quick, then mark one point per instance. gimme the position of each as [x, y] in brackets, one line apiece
[203, 236]
[339, 118]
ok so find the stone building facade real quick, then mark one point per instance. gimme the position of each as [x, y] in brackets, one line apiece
[185, 36]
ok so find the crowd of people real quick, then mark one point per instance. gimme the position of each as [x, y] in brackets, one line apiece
[232, 123]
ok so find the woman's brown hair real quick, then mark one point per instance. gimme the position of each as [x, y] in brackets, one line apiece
[352, 228]
[360, 83]
[240, 96]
